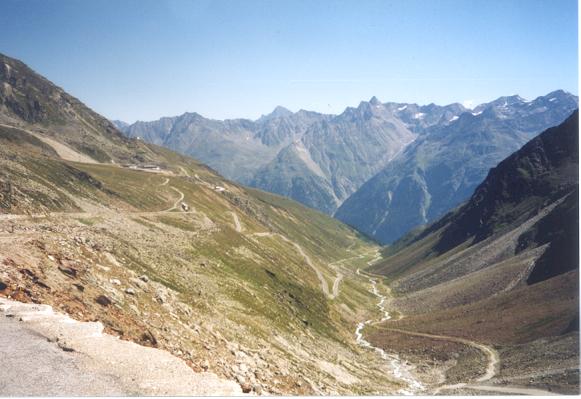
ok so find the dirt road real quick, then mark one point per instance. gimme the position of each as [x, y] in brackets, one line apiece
[322, 280]
[309, 262]
[336, 283]
[511, 390]
[492, 366]
[177, 203]
[237, 224]
[491, 355]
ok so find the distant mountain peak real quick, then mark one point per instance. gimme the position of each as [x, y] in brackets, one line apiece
[558, 92]
[119, 124]
[398, 198]
[507, 100]
[278, 112]
[368, 107]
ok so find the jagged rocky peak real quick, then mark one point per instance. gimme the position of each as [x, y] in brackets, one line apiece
[278, 112]
[373, 102]
[119, 124]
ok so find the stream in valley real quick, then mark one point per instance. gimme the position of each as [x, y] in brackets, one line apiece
[399, 368]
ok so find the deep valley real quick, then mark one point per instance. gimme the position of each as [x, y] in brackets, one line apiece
[451, 265]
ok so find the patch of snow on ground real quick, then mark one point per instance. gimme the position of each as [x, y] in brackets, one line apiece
[402, 108]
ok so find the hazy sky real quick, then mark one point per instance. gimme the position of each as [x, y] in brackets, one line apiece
[223, 59]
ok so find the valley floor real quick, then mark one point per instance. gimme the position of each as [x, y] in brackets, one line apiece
[448, 364]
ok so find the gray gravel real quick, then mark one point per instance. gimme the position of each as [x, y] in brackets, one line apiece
[32, 366]
[44, 353]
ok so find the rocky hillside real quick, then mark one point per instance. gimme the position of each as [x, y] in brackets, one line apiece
[165, 253]
[542, 171]
[30, 101]
[500, 274]
[444, 165]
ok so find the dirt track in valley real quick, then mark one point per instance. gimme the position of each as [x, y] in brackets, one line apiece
[335, 290]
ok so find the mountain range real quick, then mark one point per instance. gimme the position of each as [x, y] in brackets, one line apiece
[383, 168]
[236, 148]
[442, 168]
[316, 159]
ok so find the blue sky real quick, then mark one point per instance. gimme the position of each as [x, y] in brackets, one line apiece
[145, 59]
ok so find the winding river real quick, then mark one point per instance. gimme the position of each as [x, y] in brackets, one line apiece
[399, 368]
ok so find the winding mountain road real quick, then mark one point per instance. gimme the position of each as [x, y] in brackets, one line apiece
[491, 355]
[336, 283]
[323, 282]
[176, 204]
[309, 262]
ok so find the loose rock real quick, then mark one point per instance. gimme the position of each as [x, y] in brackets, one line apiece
[246, 387]
[103, 300]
